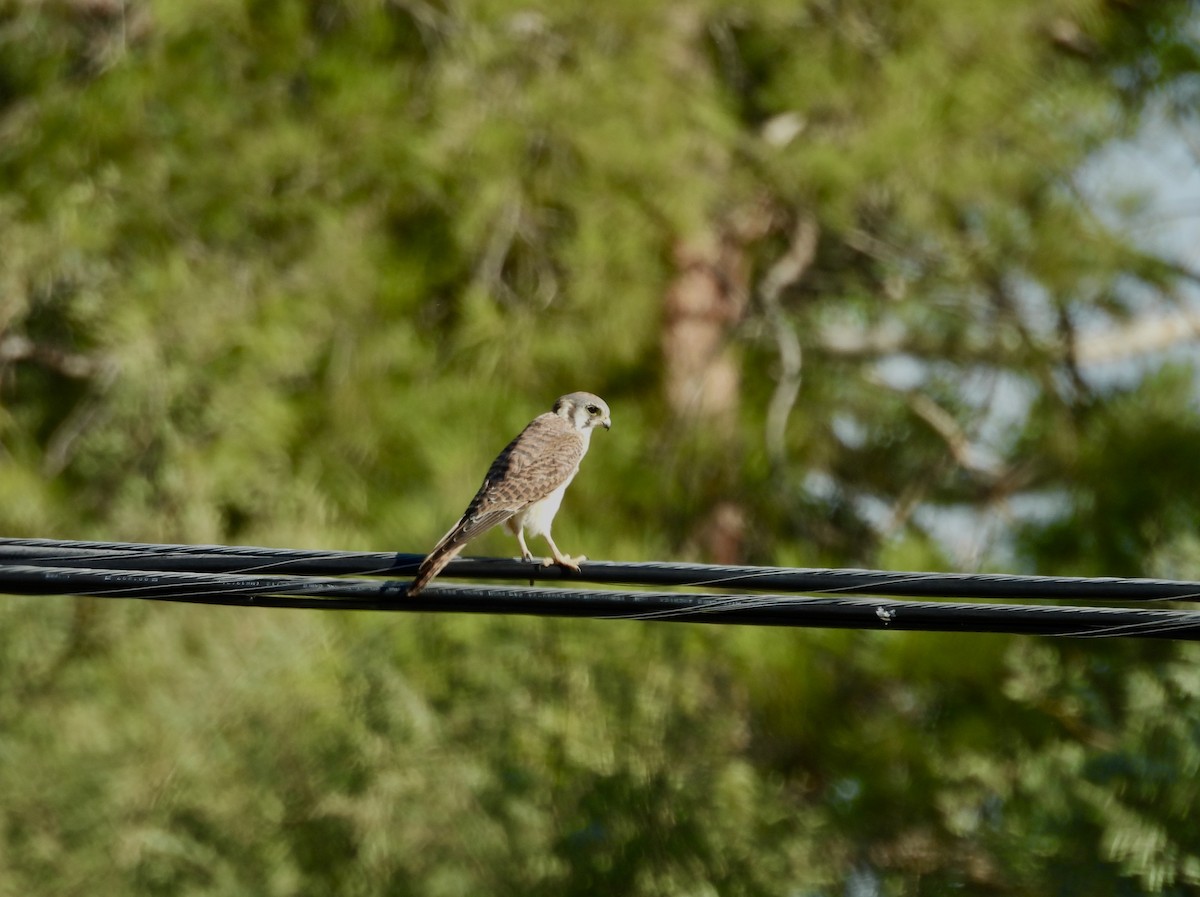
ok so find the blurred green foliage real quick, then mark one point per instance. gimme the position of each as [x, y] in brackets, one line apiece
[291, 273]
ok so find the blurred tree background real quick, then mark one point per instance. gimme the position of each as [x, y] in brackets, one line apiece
[290, 273]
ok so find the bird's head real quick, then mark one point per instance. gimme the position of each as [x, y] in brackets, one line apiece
[583, 410]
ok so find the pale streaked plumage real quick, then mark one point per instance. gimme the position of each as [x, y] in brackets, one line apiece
[525, 484]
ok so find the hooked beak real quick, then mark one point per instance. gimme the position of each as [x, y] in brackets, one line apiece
[606, 423]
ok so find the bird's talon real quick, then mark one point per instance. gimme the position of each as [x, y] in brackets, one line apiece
[567, 561]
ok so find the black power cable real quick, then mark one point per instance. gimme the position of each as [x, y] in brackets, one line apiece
[227, 559]
[762, 610]
[266, 577]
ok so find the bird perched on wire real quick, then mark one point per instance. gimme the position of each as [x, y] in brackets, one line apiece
[526, 483]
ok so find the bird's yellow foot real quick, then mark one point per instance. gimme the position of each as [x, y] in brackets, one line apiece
[565, 560]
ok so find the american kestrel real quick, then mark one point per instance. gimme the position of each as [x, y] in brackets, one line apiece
[526, 483]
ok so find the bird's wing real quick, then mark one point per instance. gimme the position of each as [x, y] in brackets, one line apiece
[532, 466]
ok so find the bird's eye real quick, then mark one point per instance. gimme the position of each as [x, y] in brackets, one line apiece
[593, 409]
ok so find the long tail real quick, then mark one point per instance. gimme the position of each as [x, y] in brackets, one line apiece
[443, 553]
[468, 527]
